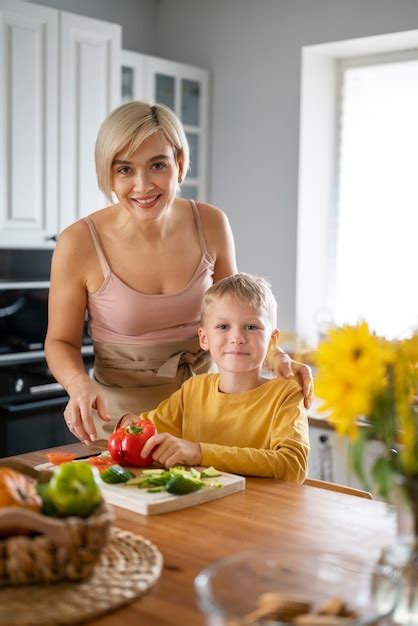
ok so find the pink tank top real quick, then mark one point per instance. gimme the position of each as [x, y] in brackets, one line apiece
[119, 314]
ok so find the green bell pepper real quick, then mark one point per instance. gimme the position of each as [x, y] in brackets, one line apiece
[73, 490]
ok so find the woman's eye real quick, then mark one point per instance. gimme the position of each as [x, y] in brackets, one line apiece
[123, 170]
[159, 165]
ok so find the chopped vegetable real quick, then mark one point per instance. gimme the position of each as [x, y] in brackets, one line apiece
[210, 472]
[116, 474]
[180, 485]
[72, 490]
[101, 462]
[177, 480]
[57, 458]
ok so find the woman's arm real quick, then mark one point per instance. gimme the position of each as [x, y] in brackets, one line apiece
[285, 367]
[66, 311]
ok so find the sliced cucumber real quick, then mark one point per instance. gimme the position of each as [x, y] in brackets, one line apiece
[180, 485]
[116, 474]
[210, 472]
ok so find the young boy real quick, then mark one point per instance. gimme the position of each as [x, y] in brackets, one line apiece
[235, 420]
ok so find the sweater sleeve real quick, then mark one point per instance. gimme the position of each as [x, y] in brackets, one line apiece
[287, 456]
[168, 416]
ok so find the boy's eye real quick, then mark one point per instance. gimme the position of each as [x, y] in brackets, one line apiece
[222, 326]
[251, 327]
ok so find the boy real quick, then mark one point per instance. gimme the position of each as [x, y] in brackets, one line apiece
[235, 420]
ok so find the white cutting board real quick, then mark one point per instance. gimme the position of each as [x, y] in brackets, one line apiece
[140, 501]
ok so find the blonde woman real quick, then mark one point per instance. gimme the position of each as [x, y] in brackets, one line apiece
[140, 267]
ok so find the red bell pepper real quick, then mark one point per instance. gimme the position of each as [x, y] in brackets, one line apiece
[126, 443]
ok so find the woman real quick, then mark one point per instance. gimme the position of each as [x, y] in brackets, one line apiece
[140, 268]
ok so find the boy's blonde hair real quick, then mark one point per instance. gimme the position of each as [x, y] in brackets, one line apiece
[127, 127]
[247, 289]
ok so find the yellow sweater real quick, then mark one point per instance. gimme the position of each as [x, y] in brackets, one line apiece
[260, 432]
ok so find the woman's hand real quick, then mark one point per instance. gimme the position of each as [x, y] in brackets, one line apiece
[285, 367]
[84, 396]
[169, 450]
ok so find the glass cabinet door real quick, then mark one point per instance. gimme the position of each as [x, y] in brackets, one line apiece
[165, 90]
[182, 88]
[127, 83]
[190, 102]
[132, 77]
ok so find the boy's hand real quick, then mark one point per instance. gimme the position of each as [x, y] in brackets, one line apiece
[169, 450]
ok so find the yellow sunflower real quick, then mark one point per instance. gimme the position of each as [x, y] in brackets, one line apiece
[352, 369]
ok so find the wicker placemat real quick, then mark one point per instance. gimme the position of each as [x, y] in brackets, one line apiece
[129, 566]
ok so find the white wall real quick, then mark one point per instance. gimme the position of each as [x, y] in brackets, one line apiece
[253, 49]
[137, 18]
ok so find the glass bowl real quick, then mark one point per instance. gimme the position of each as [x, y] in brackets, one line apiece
[231, 591]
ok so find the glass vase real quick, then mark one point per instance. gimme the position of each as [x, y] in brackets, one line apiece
[403, 555]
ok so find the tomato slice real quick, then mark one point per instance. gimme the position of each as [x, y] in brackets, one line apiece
[101, 462]
[56, 458]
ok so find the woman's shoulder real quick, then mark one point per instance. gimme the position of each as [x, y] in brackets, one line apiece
[215, 224]
[211, 213]
[76, 239]
[79, 231]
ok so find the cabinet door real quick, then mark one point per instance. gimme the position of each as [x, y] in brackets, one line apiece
[133, 85]
[28, 124]
[184, 89]
[89, 90]
[329, 456]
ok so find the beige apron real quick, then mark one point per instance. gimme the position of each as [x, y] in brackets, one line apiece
[136, 378]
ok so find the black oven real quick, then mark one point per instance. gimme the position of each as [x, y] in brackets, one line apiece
[31, 401]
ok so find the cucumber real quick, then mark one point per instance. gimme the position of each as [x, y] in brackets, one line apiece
[210, 472]
[180, 485]
[116, 474]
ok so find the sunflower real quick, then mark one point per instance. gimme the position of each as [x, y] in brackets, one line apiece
[352, 370]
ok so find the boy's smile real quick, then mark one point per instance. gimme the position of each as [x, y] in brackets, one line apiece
[237, 336]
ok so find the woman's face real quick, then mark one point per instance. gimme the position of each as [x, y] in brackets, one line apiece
[146, 182]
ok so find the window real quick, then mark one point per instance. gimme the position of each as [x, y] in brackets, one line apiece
[376, 225]
[358, 190]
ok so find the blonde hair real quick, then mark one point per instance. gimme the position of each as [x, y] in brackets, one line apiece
[247, 289]
[127, 127]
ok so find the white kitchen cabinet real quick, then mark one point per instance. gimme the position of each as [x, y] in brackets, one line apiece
[184, 88]
[329, 456]
[28, 124]
[133, 84]
[59, 78]
[89, 90]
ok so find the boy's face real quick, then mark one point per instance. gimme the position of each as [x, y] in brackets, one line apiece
[237, 335]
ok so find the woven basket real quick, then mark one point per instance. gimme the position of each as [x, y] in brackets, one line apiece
[61, 549]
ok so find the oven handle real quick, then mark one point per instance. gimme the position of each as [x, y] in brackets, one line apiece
[15, 409]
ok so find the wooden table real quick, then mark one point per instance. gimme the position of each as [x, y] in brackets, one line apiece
[268, 514]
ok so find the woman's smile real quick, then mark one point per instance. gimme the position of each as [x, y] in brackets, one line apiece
[147, 202]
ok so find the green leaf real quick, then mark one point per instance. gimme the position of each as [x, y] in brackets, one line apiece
[357, 458]
[382, 473]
